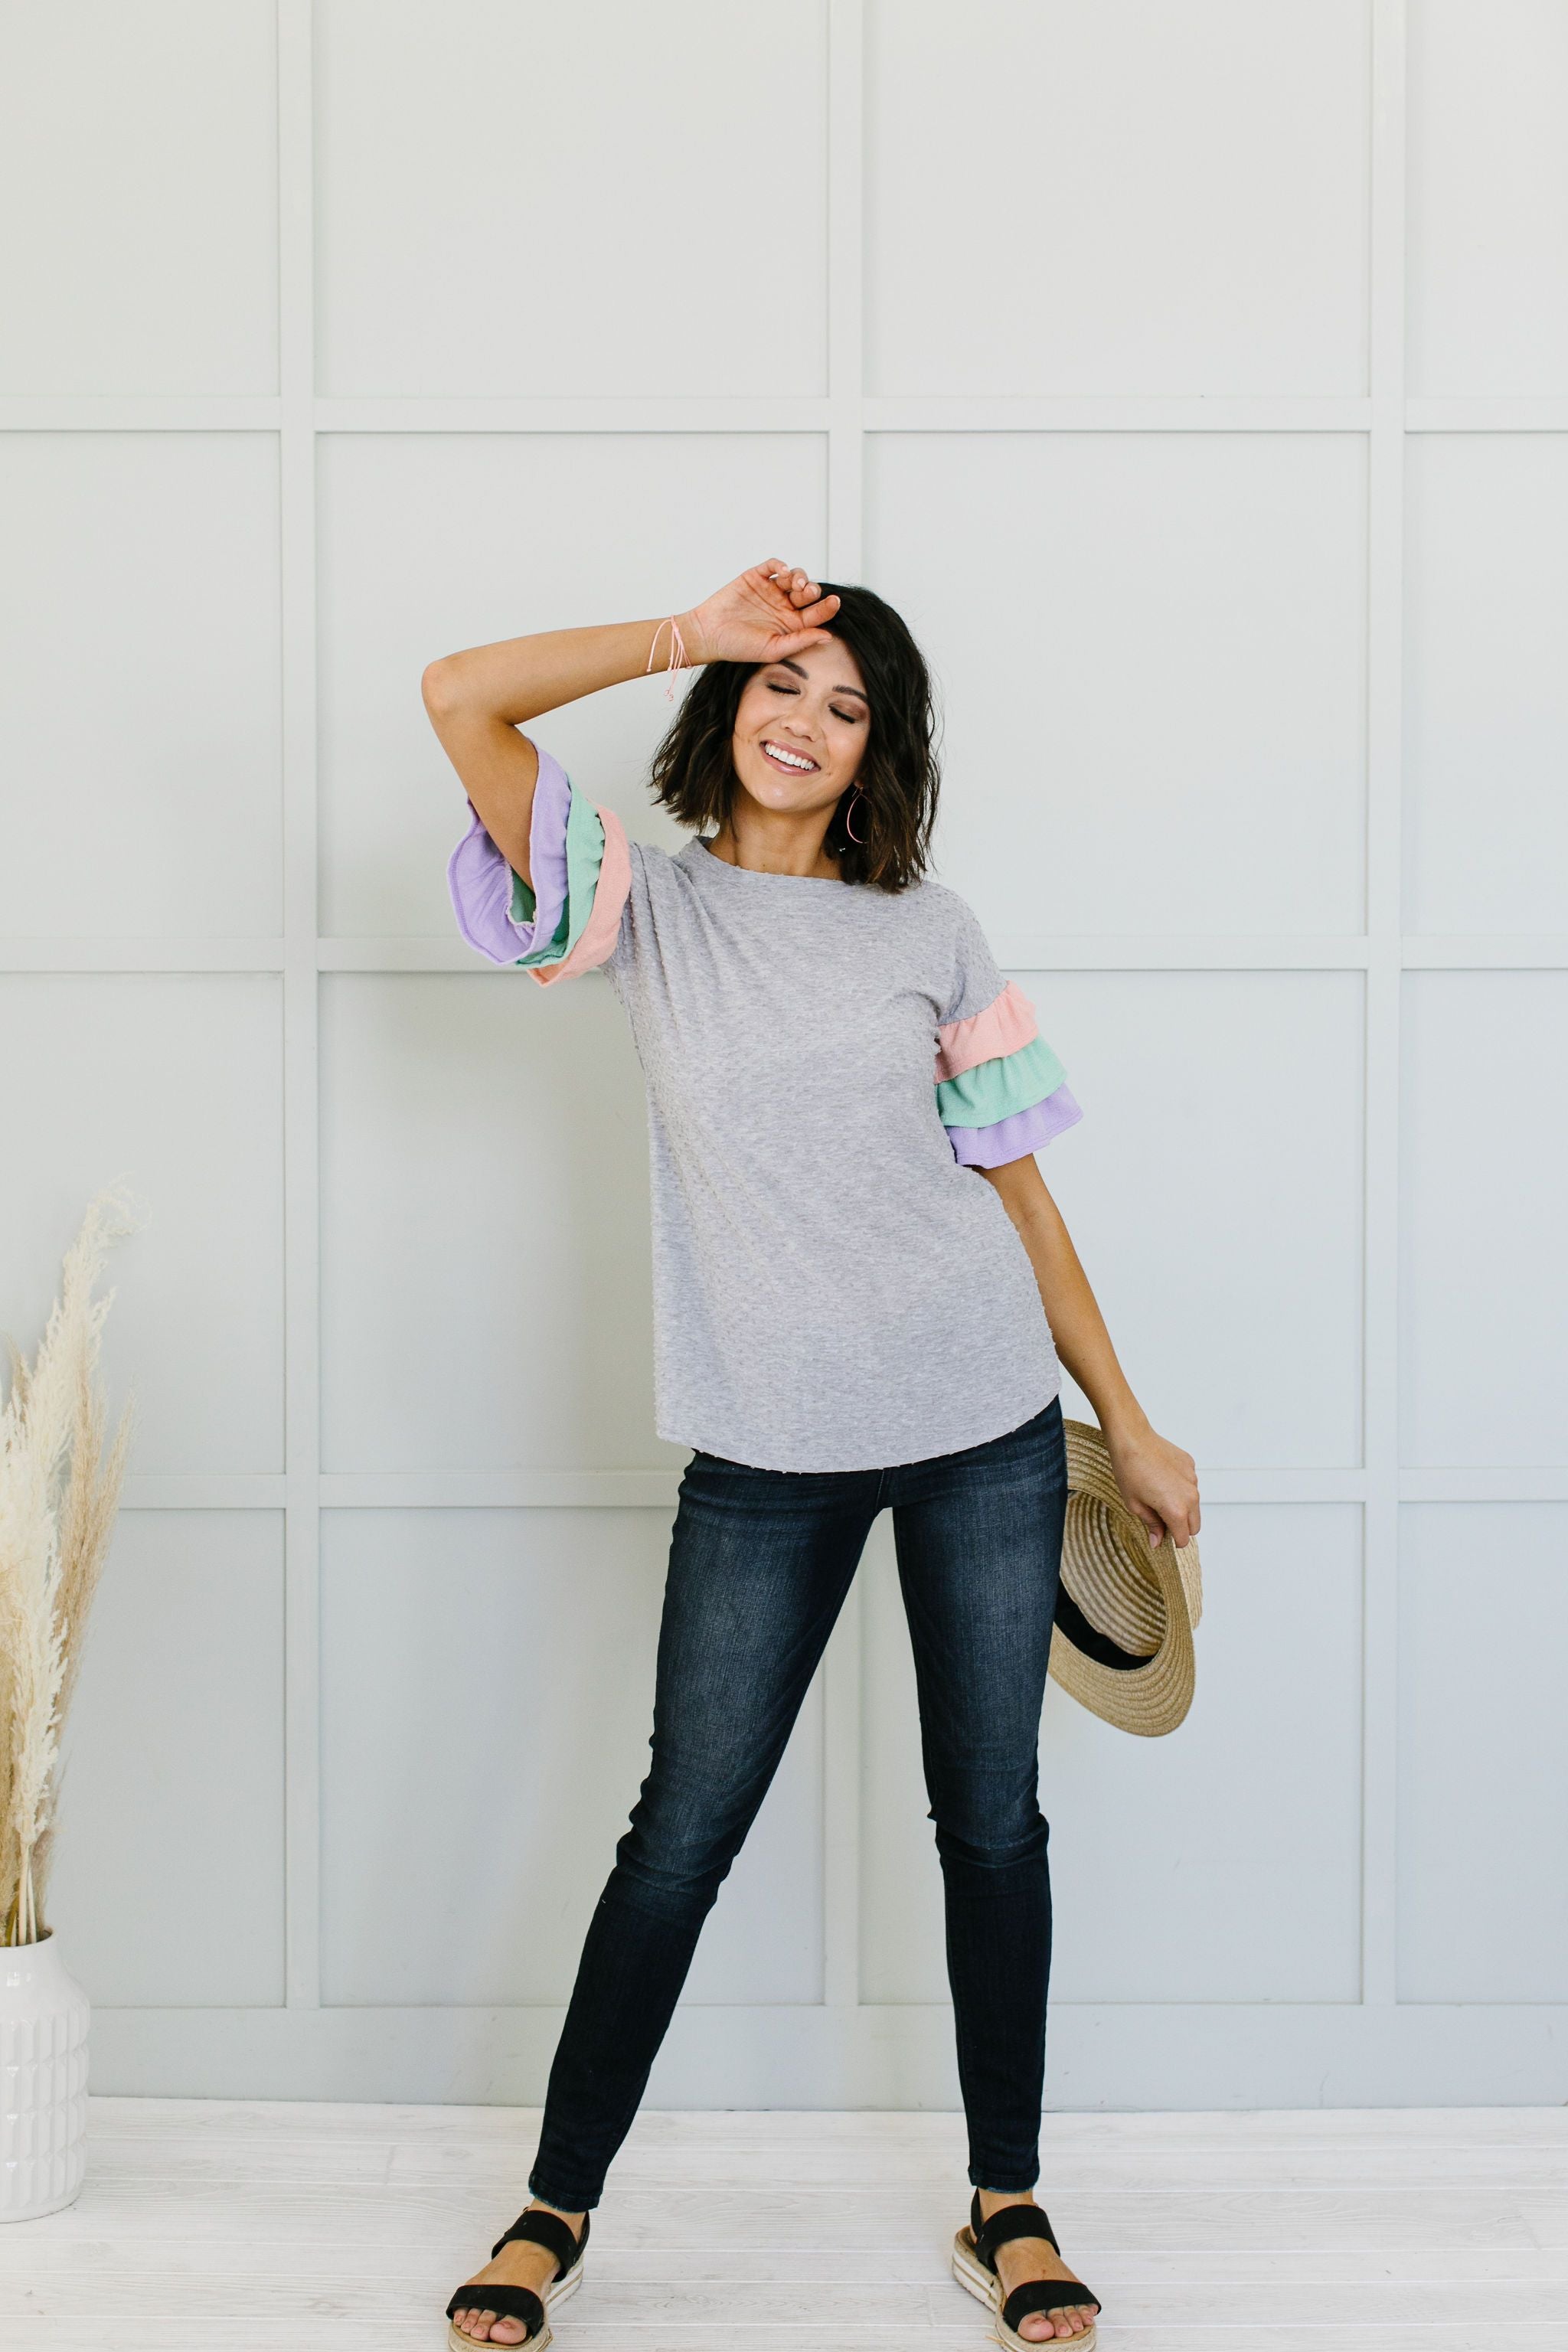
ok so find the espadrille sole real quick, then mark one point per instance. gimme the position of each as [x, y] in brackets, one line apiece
[987, 2288]
[556, 2292]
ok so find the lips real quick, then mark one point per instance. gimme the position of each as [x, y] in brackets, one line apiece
[789, 766]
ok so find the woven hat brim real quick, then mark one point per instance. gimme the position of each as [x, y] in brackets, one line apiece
[1128, 1591]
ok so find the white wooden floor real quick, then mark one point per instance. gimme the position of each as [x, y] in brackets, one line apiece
[252, 2226]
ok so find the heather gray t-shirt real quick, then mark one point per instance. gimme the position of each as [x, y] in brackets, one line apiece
[833, 1290]
[826, 1066]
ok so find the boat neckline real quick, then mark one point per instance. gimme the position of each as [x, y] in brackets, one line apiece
[710, 857]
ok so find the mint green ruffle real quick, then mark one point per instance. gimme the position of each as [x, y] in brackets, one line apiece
[584, 855]
[996, 1088]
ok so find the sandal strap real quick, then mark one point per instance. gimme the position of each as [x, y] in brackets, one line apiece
[1044, 2295]
[547, 2229]
[506, 2302]
[1009, 2221]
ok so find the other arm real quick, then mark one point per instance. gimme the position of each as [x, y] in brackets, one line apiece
[1159, 1482]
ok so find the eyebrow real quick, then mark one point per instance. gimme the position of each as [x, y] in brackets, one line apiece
[786, 664]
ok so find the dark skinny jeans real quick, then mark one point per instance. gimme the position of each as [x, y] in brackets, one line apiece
[759, 1562]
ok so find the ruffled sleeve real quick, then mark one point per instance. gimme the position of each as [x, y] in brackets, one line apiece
[1001, 1092]
[570, 920]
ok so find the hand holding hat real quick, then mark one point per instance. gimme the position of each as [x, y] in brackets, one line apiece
[1125, 1611]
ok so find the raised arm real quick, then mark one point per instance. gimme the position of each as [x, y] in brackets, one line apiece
[479, 699]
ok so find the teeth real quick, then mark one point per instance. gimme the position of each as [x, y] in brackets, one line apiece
[790, 759]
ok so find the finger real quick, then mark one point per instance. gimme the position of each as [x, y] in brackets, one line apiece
[800, 643]
[783, 586]
[823, 610]
[794, 582]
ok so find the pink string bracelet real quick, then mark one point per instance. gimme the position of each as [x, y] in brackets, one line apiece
[678, 656]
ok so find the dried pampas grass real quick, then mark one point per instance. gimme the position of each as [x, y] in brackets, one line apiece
[58, 1495]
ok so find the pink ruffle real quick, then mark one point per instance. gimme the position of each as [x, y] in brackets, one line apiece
[1000, 1027]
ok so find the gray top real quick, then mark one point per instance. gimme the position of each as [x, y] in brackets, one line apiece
[833, 1290]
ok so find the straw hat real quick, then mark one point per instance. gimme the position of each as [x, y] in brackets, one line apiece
[1123, 1640]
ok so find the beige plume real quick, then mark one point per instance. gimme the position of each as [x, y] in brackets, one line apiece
[58, 1495]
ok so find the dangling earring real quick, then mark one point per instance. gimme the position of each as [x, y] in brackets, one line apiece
[856, 837]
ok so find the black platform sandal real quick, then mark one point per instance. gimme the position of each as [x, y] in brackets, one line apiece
[974, 2267]
[521, 2302]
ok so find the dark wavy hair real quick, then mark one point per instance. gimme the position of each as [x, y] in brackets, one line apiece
[693, 774]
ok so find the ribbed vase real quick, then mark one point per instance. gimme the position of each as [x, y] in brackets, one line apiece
[44, 2017]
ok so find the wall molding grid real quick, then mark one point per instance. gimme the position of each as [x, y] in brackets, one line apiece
[843, 2052]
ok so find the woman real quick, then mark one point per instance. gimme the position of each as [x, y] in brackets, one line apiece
[852, 1250]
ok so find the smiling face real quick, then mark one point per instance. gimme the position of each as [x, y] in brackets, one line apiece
[801, 728]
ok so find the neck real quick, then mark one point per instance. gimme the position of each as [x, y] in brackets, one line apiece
[773, 841]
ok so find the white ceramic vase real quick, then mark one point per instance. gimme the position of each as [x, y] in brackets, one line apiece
[44, 2017]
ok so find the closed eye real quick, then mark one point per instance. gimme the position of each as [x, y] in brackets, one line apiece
[850, 717]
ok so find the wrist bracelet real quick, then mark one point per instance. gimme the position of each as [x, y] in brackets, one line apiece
[678, 656]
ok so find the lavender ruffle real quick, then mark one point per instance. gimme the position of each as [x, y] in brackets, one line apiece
[1017, 1135]
[480, 878]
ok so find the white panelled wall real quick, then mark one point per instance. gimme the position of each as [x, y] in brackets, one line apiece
[1197, 382]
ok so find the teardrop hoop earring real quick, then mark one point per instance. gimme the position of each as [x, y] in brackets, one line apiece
[858, 838]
